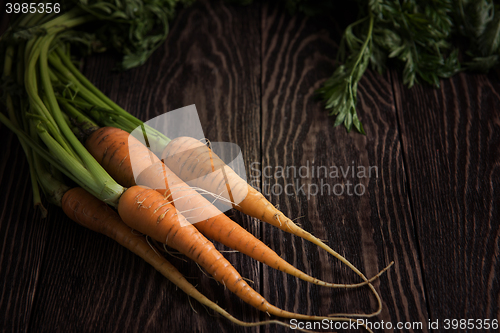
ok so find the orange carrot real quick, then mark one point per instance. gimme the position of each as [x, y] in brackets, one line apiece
[116, 151]
[90, 212]
[111, 148]
[197, 165]
[154, 214]
[151, 213]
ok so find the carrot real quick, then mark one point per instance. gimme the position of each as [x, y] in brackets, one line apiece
[151, 213]
[90, 212]
[253, 204]
[197, 165]
[117, 151]
[110, 146]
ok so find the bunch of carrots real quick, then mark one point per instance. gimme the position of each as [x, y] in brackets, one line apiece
[81, 154]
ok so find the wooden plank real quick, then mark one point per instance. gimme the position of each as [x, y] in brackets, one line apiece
[23, 232]
[370, 229]
[451, 146]
[23, 237]
[89, 283]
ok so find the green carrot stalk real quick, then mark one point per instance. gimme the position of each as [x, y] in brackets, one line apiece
[93, 95]
[37, 200]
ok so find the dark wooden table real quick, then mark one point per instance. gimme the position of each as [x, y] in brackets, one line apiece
[432, 206]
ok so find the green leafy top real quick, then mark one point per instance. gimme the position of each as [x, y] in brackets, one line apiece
[414, 34]
[133, 27]
[423, 38]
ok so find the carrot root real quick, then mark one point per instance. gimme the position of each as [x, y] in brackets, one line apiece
[88, 211]
[145, 210]
[124, 156]
[129, 161]
[195, 163]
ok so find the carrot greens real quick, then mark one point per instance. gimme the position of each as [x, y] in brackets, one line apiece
[424, 41]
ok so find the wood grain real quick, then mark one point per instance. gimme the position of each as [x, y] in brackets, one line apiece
[23, 234]
[451, 145]
[370, 229]
[23, 237]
